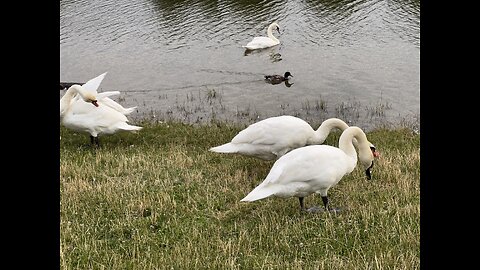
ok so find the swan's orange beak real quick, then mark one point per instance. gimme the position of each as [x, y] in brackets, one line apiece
[374, 151]
[95, 103]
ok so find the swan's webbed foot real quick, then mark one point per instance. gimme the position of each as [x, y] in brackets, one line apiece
[328, 208]
[315, 209]
[334, 210]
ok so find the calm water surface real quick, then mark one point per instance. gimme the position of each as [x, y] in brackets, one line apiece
[358, 60]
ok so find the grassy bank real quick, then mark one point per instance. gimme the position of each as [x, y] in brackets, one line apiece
[159, 200]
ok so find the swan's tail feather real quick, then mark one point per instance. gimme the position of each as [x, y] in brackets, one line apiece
[224, 148]
[114, 105]
[258, 193]
[128, 111]
[125, 126]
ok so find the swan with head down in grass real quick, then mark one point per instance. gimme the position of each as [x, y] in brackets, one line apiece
[315, 169]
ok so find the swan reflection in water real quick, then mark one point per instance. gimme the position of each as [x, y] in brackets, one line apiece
[274, 55]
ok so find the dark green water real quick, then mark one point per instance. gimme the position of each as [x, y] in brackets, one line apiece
[358, 60]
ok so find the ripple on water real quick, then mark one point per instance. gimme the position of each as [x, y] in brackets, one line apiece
[341, 52]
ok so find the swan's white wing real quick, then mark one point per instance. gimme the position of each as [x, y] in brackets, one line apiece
[85, 117]
[284, 130]
[303, 171]
[308, 163]
[260, 43]
[104, 99]
[93, 84]
[306, 170]
[105, 94]
[116, 106]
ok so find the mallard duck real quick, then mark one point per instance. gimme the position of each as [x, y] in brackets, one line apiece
[276, 79]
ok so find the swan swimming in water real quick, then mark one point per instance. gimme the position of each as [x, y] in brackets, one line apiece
[273, 137]
[315, 169]
[107, 117]
[264, 42]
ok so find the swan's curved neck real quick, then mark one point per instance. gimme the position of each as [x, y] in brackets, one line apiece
[270, 33]
[346, 143]
[66, 100]
[324, 129]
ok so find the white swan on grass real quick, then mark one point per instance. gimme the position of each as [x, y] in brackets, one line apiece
[273, 137]
[315, 169]
[103, 97]
[264, 42]
[77, 114]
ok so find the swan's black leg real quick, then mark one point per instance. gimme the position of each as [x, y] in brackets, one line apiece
[318, 209]
[325, 202]
[313, 209]
[94, 141]
[328, 208]
[302, 206]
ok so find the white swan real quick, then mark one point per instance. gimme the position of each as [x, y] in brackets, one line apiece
[271, 138]
[264, 42]
[77, 114]
[315, 169]
[73, 92]
[92, 86]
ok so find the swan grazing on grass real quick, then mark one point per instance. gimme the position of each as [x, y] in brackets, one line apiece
[315, 169]
[77, 114]
[264, 42]
[271, 138]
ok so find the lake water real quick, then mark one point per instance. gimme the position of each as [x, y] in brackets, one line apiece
[358, 60]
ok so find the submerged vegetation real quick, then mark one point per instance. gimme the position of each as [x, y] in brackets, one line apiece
[158, 199]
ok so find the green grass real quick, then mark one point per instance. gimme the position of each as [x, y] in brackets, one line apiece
[159, 200]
